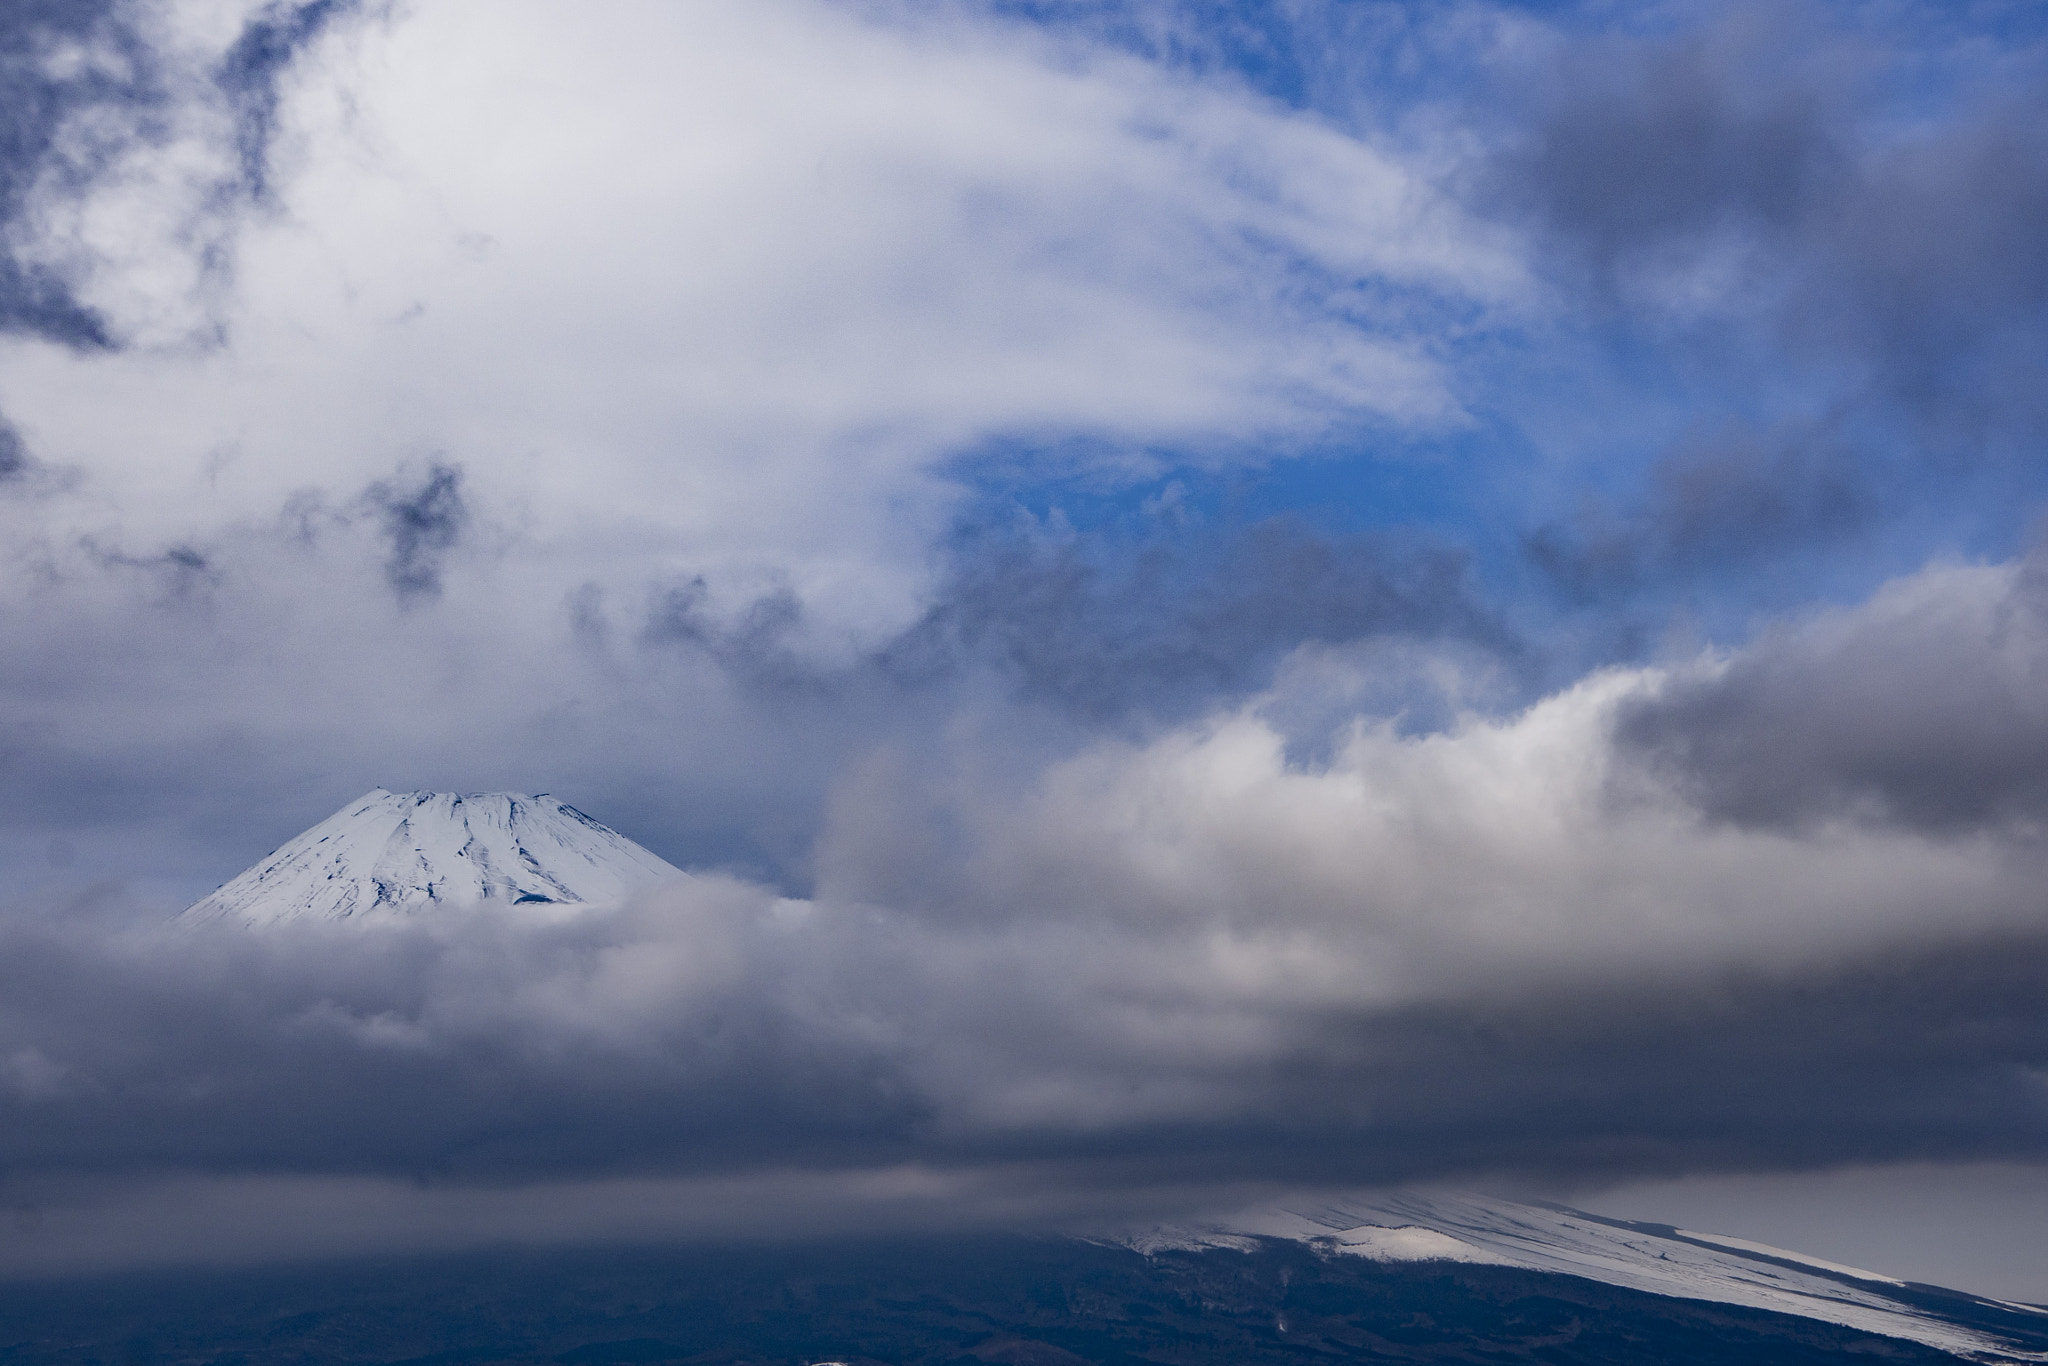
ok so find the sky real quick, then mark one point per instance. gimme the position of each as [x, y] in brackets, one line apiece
[1218, 598]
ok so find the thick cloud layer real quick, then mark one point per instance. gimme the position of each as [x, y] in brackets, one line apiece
[1514, 948]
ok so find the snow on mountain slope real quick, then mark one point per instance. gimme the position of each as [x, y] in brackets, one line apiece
[396, 853]
[1410, 1227]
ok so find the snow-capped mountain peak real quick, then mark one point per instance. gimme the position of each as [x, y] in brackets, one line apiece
[399, 853]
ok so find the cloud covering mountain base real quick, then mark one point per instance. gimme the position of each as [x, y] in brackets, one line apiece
[1535, 949]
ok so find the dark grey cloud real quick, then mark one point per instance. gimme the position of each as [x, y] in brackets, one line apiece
[1645, 144]
[322, 1055]
[1739, 496]
[1184, 621]
[1742, 202]
[15, 461]
[35, 300]
[1873, 1059]
[179, 572]
[1096, 630]
[757, 647]
[422, 518]
[706, 1036]
[1940, 277]
[1924, 709]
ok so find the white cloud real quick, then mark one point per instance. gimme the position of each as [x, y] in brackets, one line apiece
[723, 285]
[1408, 868]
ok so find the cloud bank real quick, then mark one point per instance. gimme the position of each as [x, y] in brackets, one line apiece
[1546, 947]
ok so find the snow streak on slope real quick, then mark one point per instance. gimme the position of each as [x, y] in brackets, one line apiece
[1650, 1257]
[393, 853]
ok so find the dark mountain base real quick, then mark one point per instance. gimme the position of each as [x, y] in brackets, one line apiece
[1008, 1302]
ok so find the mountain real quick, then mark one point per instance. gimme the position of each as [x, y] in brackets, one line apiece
[982, 1301]
[400, 853]
[1656, 1258]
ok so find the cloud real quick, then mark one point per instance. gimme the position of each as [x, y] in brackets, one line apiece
[14, 457]
[1508, 949]
[726, 297]
[1409, 865]
[58, 64]
[139, 133]
[1653, 143]
[175, 709]
[757, 647]
[422, 524]
[479, 1035]
[1918, 711]
[1854, 283]
[1736, 496]
[1186, 616]
[756, 341]
[61, 1227]
[721, 1031]
[269, 43]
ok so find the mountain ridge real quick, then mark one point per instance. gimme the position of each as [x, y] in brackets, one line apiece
[960, 1301]
[1660, 1259]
